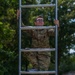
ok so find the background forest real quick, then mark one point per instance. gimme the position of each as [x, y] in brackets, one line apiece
[9, 33]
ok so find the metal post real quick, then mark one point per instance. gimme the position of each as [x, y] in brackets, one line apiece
[20, 38]
[56, 39]
[56, 51]
[56, 10]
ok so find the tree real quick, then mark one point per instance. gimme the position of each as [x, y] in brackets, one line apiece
[8, 49]
[66, 34]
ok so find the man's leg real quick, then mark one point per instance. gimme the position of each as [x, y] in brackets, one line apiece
[44, 61]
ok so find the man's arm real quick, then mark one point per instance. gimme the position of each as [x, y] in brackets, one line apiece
[18, 14]
[51, 32]
[56, 22]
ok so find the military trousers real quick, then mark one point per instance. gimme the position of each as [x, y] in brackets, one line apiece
[40, 60]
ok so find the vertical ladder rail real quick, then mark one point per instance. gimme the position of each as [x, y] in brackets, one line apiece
[56, 38]
[20, 37]
[56, 51]
[56, 9]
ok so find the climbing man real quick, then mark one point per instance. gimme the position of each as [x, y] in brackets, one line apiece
[40, 39]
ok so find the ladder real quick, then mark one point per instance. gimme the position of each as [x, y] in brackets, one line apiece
[38, 49]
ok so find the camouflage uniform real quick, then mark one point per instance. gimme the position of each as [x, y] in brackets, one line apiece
[40, 39]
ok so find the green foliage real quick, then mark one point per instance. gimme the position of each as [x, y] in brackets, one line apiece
[8, 55]
[66, 34]
[68, 64]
